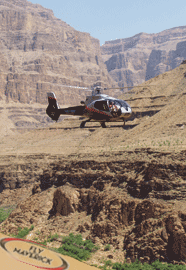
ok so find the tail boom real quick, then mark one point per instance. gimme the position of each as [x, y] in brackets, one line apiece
[54, 111]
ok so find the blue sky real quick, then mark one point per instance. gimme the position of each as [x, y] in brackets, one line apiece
[110, 20]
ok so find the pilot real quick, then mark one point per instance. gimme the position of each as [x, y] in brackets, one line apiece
[105, 107]
[112, 106]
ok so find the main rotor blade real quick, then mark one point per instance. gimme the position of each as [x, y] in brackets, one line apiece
[127, 87]
[71, 86]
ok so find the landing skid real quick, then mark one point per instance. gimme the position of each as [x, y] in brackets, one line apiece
[103, 125]
[83, 123]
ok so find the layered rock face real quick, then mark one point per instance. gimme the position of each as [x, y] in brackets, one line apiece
[138, 207]
[131, 61]
[40, 53]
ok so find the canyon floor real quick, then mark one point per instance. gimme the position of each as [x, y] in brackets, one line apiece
[123, 186]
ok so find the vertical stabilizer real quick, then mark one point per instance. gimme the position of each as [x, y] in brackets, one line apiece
[53, 108]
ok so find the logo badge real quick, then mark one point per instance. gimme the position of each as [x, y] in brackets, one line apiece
[34, 254]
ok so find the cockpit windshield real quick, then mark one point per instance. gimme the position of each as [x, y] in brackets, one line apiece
[114, 102]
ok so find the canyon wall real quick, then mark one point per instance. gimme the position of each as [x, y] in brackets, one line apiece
[131, 61]
[40, 53]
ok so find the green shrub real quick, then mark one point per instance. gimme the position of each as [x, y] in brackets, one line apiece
[76, 247]
[23, 232]
[4, 213]
[108, 263]
[118, 266]
[107, 247]
[158, 265]
[139, 266]
[52, 237]
[43, 243]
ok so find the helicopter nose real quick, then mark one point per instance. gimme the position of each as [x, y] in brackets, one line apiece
[129, 110]
[126, 111]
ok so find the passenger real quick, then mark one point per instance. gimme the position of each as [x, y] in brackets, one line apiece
[112, 107]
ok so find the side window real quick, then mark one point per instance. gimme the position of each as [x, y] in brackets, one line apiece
[101, 105]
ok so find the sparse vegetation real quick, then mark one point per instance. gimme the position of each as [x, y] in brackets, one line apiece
[138, 265]
[44, 242]
[4, 213]
[94, 265]
[52, 237]
[107, 247]
[161, 144]
[76, 247]
[23, 232]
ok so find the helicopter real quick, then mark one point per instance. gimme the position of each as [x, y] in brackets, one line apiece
[97, 107]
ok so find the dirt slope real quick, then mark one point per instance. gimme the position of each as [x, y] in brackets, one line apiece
[159, 122]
